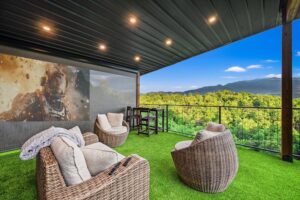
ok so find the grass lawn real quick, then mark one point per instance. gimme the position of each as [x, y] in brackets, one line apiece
[260, 175]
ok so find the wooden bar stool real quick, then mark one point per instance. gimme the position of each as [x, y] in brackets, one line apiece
[146, 120]
[132, 117]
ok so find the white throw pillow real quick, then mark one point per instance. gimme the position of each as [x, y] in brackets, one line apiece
[204, 135]
[103, 122]
[71, 161]
[214, 127]
[76, 130]
[99, 157]
[115, 119]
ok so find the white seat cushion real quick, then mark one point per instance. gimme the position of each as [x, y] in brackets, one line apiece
[183, 144]
[117, 130]
[115, 119]
[214, 127]
[76, 130]
[99, 157]
[71, 161]
[103, 122]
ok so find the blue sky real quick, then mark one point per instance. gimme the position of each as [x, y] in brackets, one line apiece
[258, 56]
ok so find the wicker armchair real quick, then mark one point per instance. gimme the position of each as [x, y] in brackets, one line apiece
[112, 140]
[209, 166]
[130, 182]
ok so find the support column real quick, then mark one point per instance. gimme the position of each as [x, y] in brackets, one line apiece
[286, 89]
[138, 89]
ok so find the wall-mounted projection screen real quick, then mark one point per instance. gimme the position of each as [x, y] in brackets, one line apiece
[38, 93]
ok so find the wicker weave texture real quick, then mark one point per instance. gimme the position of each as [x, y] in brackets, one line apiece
[209, 166]
[130, 182]
[90, 138]
[111, 140]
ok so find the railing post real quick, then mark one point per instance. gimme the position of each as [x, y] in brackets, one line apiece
[287, 84]
[167, 117]
[220, 114]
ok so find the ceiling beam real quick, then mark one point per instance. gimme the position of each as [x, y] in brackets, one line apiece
[289, 10]
[292, 9]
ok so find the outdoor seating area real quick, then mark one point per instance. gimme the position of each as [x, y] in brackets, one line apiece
[80, 119]
[259, 173]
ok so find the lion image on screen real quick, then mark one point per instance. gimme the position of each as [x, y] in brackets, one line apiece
[33, 90]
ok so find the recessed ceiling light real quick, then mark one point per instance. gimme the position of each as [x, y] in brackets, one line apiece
[132, 20]
[212, 19]
[46, 28]
[168, 41]
[137, 58]
[102, 47]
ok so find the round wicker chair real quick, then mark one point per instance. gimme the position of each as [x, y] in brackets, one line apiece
[208, 166]
[111, 140]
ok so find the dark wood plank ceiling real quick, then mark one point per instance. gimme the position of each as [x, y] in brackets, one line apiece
[79, 26]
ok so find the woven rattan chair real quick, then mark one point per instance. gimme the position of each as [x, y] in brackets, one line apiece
[208, 166]
[110, 139]
[130, 182]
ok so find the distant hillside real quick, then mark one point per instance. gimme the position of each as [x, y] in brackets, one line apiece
[257, 86]
[269, 86]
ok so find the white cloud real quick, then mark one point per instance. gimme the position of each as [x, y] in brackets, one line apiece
[178, 87]
[229, 77]
[271, 61]
[235, 69]
[273, 76]
[254, 67]
[298, 53]
[194, 86]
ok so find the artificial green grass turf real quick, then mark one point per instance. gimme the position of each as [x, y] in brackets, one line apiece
[260, 175]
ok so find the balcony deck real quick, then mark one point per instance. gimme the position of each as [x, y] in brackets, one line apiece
[260, 176]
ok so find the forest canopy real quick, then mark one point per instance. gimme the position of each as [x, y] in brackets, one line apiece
[258, 126]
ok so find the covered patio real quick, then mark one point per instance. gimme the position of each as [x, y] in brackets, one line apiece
[62, 63]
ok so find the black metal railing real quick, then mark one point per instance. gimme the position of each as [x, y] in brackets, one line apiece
[255, 127]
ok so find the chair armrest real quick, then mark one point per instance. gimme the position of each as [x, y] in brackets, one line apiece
[48, 176]
[124, 123]
[130, 182]
[90, 138]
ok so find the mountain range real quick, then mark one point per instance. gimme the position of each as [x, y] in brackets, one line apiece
[270, 86]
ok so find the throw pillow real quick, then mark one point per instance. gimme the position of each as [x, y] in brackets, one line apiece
[115, 119]
[99, 157]
[204, 135]
[103, 122]
[214, 127]
[71, 161]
